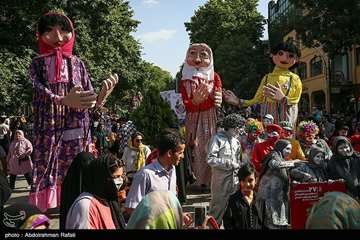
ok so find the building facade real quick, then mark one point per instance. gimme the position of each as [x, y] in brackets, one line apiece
[329, 84]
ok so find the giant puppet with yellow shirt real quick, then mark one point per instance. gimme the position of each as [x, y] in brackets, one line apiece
[279, 91]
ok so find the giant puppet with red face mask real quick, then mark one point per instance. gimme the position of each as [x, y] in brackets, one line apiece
[200, 88]
[63, 98]
[280, 91]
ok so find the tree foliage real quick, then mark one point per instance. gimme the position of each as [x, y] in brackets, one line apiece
[153, 115]
[103, 41]
[332, 23]
[233, 28]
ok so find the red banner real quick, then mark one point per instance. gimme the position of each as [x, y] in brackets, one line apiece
[304, 195]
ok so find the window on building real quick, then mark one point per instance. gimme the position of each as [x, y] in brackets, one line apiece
[341, 68]
[316, 66]
[358, 56]
[301, 70]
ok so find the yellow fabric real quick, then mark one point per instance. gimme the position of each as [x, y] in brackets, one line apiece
[280, 76]
[140, 158]
[296, 151]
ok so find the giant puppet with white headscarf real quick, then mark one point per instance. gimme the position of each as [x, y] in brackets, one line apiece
[200, 88]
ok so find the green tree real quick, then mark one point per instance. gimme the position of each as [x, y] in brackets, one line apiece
[15, 89]
[154, 76]
[233, 28]
[153, 115]
[332, 23]
[103, 41]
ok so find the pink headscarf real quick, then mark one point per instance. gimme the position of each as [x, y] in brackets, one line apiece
[59, 52]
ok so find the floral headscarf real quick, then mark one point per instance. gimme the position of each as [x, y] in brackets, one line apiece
[157, 210]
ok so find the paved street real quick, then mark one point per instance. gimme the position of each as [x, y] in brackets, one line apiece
[21, 192]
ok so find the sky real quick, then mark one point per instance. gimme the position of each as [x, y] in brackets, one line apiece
[162, 31]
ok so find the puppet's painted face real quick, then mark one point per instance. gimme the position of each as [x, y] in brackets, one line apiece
[286, 151]
[287, 134]
[284, 59]
[55, 36]
[198, 56]
[344, 150]
[318, 158]
[310, 137]
[266, 122]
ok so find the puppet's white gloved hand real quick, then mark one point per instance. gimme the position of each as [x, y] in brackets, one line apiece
[79, 99]
[218, 98]
[200, 94]
[107, 87]
[274, 92]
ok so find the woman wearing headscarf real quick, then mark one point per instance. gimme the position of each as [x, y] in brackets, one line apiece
[63, 99]
[73, 184]
[98, 206]
[135, 153]
[345, 164]
[272, 198]
[335, 210]
[200, 88]
[18, 159]
[157, 210]
[23, 216]
[313, 170]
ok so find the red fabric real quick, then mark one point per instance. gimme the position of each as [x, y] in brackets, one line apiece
[65, 50]
[261, 150]
[355, 142]
[274, 128]
[207, 104]
[152, 157]
[100, 215]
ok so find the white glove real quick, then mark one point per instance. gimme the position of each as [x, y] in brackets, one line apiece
[77, 98]
[107, 86]
[218, 98]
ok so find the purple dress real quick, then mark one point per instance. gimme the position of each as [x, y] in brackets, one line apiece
[60, 132]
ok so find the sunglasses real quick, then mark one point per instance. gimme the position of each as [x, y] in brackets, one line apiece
[138, 140]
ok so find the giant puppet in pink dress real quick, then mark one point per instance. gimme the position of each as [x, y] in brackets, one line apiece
[200, 88]
[63, 99]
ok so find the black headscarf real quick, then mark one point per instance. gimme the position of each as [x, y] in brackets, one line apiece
[100, 183]
[73, 184]
[341, 140]
[345, 167]
[318, 169]
[314, 150]
[280, 145]
[5, 190]
[277, 154]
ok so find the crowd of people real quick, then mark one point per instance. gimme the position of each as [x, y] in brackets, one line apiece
[252, 166]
